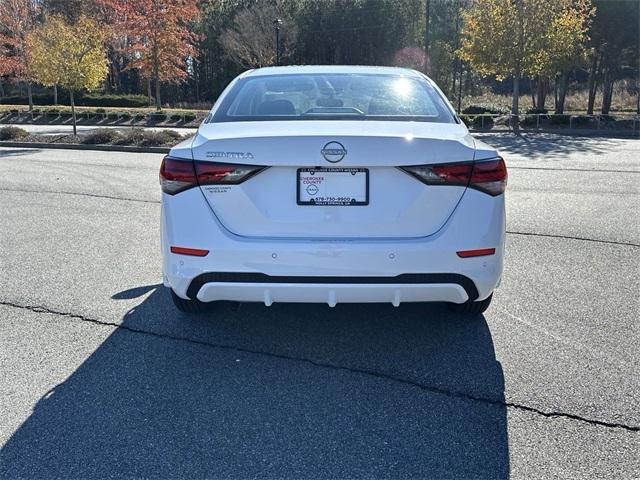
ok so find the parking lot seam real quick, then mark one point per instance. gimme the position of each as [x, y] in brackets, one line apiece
[569, 237]
[82, 194]
[372, 373]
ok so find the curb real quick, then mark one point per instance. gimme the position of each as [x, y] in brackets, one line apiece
[80, 146]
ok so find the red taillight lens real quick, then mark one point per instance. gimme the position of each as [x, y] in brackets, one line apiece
[209, 173]
[489, 176]
[454, 174]
[176, 175]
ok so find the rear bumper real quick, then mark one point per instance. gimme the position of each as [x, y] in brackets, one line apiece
[247, 287]
[331, 294]
[286, 270]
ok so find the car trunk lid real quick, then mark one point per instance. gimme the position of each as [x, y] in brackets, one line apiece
[269, 204]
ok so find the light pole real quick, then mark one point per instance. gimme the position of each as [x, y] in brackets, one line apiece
[276, 24]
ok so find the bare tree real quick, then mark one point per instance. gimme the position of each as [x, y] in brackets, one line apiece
[251, 42]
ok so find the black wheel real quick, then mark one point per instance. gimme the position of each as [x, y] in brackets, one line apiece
[191, 306]
[471, 307]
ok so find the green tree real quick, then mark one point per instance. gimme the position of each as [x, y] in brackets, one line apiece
[72, 56]
[615, 36]
[564, 47]
[519, 37]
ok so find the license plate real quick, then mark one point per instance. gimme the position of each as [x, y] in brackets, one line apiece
[333, 186]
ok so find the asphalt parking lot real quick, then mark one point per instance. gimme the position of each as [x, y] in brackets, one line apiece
[100, 376]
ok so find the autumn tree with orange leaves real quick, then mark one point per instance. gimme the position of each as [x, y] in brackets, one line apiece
[17, 19]
[160, 41]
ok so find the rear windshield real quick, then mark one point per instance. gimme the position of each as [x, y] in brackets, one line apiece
[333, 97]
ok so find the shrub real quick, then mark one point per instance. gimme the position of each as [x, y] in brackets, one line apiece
[100, 136]
[12, 133]
[112, 116]
[535, 111]
[125, 116]
[140, 116]
[560, 119]
[479, 109]
[175, 117]
[156, 139]
[482, 122]
[131, 136]
[581, 120]
[100, 110]
[158, 117]
[606, 118]
[95, 100]
[55, 111]
[189, 117]
[86, 100]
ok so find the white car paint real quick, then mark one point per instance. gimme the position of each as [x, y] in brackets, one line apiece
[338, 253]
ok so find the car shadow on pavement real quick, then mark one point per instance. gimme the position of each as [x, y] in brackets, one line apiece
[17, 152]
[540, 146]
[290, 391]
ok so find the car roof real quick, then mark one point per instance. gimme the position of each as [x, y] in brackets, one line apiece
[328, 69]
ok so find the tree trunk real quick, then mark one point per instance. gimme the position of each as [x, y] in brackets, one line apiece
[149, 91]
[514, 104]
[607, 91]
[1, 88]
[592, 84]
[427, 61]
[55, 94]
[158, 103]
[73, 112]
[533, 95]
[30, 96]
[541, 93]
[562, 93]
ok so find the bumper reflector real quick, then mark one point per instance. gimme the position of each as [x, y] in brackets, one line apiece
[194, 252]
[476, 253]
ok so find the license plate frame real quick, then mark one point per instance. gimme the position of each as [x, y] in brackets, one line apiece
[338, 201]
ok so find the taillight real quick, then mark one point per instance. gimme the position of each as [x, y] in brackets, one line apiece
[177, 175]
[453, 174]
[209, 173]
[488, 176]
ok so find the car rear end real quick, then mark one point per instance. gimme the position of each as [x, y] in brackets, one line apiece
[338, 200]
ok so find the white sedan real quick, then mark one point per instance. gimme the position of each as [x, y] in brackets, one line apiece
[333, 184]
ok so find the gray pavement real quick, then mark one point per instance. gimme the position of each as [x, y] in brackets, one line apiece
[101, 377]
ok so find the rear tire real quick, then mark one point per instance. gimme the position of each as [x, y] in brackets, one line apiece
[191, 306]
[471, 308]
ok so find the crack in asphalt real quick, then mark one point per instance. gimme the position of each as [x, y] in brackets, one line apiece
[81, 194]
[361, 371]
[569, 237]
[548, 235]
